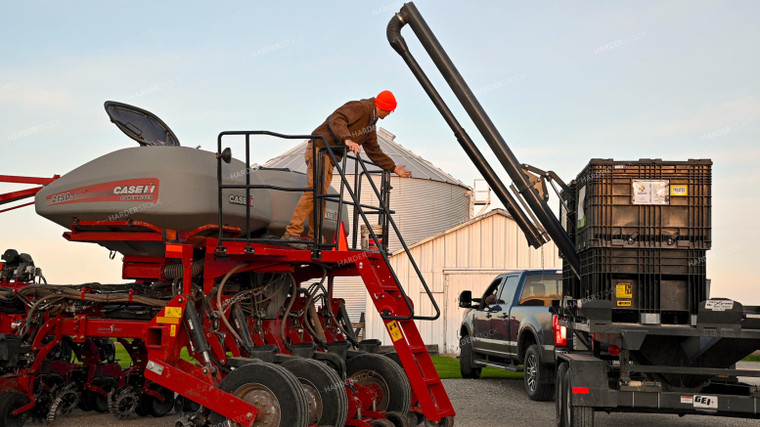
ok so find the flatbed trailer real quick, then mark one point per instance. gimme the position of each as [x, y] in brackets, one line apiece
[599, 370]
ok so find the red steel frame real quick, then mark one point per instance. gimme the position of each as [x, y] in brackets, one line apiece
[165, 335]
[15, 196]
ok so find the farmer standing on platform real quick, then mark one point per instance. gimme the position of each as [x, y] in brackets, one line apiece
[352, 125]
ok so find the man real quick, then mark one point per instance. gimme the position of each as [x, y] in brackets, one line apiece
[353, 126]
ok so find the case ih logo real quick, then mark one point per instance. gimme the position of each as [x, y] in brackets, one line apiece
[134, 189]
[129, 190]
[237, 199]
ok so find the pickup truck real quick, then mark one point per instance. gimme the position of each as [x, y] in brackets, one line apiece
[511, 325]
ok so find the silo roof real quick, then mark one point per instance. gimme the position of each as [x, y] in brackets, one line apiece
[420, 168]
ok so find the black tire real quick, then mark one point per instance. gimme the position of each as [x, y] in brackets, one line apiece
[535, 373]
[142, 407]
[466, 366]
[9, 402]
[156, 407]
[445, 422]
[325, 391]
[84, 404]
[277, 385]
[399, 420]
[97, 401]
[559, 394]
[575, 416]
[375, 370]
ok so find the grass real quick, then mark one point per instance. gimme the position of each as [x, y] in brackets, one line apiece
[125, 361]
[448, 367]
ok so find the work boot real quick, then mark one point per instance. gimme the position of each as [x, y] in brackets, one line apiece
[294, 239]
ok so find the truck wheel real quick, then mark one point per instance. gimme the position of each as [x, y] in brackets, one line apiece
[574, 416]
[466, 366]
[534, 378]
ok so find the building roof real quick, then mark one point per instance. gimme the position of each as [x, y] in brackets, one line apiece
[492, 212]
[420, 168]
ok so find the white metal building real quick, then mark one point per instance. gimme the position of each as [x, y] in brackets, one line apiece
[426, 204]
[464, 257]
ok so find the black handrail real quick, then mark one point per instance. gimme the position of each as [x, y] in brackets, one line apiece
[221, 186]
[318, 180]
[383, 253]
[390, 221]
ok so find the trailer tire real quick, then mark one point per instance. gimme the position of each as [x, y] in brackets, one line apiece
[325, 390]
[574, 416]
[374, 370]
[583, 416]
[9, 402]
[466, 366]
[273, 384]
[559, 394]
[533, 379]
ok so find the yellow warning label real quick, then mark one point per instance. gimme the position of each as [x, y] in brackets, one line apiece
[394, 330]
[679, 190]
[624, 303]
[173, 311]
[171, 320]
[624, 290]
[173, 331]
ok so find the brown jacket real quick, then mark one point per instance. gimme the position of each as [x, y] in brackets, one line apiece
[355, 120]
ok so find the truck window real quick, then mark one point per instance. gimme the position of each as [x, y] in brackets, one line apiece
[491, 294]
[508, 290]
[541, 289]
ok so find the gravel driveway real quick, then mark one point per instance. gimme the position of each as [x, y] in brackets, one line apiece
[479, 403]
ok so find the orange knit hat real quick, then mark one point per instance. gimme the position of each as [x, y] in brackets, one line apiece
[385, 101]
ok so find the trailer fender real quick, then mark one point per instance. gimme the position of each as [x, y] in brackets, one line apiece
[588, 380]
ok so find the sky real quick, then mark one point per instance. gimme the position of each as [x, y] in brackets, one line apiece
[563, 81]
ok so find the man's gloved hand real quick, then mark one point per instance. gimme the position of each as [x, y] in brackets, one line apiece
[400, 171]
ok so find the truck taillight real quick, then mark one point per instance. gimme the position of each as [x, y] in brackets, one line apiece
[560, 332]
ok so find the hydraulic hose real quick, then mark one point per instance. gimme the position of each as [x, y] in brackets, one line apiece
[219, 300]
[284, 320]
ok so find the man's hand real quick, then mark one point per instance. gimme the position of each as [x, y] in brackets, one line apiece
[400, 171]
[352, 146]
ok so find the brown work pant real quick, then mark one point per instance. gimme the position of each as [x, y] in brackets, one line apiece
[305, 207]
